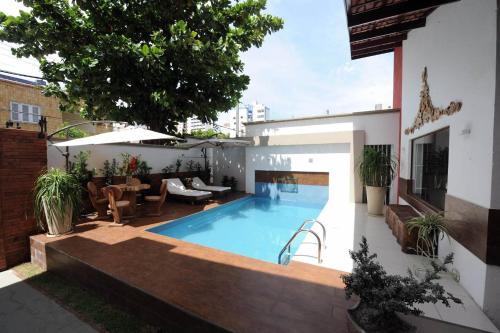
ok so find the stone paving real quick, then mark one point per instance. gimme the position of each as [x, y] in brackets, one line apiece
[24, 309]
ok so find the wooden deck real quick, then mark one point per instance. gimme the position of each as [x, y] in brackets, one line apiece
[194, 287]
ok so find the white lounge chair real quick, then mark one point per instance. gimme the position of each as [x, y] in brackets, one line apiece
[177, 189]
[198, 184]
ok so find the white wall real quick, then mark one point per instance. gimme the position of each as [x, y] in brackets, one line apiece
[332, 158]
[229, 162]
[458, 46]
[380, 128]
[157, 157]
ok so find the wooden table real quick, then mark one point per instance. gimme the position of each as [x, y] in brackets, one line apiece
[130, 194]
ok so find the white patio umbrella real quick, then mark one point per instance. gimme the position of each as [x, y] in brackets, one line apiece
[129, 134]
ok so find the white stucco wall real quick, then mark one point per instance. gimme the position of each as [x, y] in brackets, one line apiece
[377, 128]
[230, 162]
[332, 158]
[380, 128]
[458, 46]
[157, 157]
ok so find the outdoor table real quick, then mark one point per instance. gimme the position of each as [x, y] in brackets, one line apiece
[130, 194]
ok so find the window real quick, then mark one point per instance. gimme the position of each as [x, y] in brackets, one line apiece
[25, 113]
[429, 168]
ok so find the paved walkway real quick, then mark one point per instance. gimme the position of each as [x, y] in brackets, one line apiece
[348, 222]
[24, 309]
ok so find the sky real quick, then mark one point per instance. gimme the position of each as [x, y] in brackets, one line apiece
[302, 70]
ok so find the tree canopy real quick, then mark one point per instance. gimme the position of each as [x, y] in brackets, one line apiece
[154, 62]
[208, 134]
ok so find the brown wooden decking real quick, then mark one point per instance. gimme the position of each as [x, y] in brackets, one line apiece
[196, 287]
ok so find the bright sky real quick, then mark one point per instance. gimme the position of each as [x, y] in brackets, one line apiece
[304, 69]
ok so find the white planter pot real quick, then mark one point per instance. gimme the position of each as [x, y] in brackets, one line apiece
[58, 223]
[375, 197]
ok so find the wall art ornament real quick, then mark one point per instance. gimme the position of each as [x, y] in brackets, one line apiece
[428, 112]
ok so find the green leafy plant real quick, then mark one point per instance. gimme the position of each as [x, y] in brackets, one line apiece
[168, 169]
[109, 171]
[71, 133]
[59, 189]
[129, 164]
[429, 227]
[143, 171]
[209, 133]
[180, 58]
[382, 295]
[190, 166]
[376, 168]
[79, 168]
[178, 164]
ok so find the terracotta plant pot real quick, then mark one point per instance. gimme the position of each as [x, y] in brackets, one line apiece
[58, 223]
[375, 197]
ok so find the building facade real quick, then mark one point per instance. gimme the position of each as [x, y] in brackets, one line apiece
[234, 121]
[22, 102]
[446, 70]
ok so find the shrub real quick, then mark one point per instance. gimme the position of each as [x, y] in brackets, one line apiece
[382, 295]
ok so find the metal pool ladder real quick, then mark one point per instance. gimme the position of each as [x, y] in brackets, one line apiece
[288, 245]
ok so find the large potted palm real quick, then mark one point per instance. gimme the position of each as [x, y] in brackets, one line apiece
[376, 170]
[57, 200]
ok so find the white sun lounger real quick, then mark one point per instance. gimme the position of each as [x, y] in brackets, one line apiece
[198, 184]
[177, 189]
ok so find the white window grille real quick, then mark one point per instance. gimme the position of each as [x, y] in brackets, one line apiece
[24, 113]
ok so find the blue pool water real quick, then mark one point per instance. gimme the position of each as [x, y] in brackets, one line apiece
[256, 227]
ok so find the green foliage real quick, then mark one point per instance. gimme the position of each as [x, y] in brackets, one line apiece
[109, 170]
[92, 307]
[60, 189]
[71, 133]
[178, 164]
[168, 169]
[209, 133]
[376, 168]
[382, 295]
[190, 165]
[143, 170]
[153, 62]
[429, 227]
[79, 169]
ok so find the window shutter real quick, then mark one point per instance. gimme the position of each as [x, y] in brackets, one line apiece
[15, 112]
[26, 112]
[36, 113]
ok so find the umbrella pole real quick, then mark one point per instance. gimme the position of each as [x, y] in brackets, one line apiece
[66, 157]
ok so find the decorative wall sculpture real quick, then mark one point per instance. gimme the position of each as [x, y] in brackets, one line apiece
[428, 112]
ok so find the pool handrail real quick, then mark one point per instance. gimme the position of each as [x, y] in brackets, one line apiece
[299, 231]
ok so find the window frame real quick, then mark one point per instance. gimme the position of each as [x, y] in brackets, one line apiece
[19, 112]
[410, 189]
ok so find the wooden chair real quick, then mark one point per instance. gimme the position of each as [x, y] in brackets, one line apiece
[99, 204]
[116, 205]
[153, 203]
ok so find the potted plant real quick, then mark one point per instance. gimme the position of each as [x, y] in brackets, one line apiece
[382, 296]
[129, 166]
[429, 228]
[57, 200]
[109, 171]
[143, 172]
[178, 164]
[376, 171]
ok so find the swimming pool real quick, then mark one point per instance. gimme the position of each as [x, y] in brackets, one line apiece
[254, 226]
